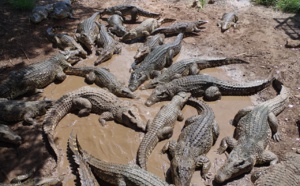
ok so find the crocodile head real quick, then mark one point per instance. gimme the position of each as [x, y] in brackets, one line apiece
[182, 169]
[125, 92]
[225, 26]
[201, 22]
[235, 165]
[85, 40]
[7, 135]
[142, 52]
[44, 105]
[129, 35]
[37, 17]
[159, 93]
[136, 79]
[104, 55]
[152, 84]
[61, 10]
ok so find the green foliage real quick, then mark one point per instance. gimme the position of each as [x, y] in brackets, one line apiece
[266, 2]
[22, 4]
[292, 6]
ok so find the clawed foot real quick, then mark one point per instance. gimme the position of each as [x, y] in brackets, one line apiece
[276, 137]
[220, 150]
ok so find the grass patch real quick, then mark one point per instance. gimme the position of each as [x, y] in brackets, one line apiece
[22, 4]
[266, 2]
[291, 6]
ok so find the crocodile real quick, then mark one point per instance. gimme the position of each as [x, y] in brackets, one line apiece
[161, 127]
[102, 78]
[33, 77]
[132, 10]
[285, 173]
[87, 31]
[7, 135]
[228, 20]
[65, 42]
[254, 125]
[208, 86]
[109, 46]
[197, 137]
[115, 25]
[190, 66]
[62, 9]
[145, 28]
[19, 110]
[120, 174]
[87, 178]
[39, 13]
[88, 100]
[37, 181]
[160, 57]
[181, 27]
[149, 45]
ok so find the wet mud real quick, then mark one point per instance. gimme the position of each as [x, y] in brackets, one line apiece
[119, 144]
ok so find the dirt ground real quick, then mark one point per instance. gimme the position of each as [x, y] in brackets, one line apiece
[259, 39]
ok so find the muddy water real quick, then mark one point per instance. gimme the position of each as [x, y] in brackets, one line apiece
[118, 144]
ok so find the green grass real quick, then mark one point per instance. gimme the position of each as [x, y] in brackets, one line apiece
[291, 6]
[22, 4]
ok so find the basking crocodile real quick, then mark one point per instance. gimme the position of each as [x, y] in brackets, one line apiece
[118, 174]
[115, 25]
[33, 77]
[145, 28]
[18, 110]
[285, 173]
[37, 181]
[132, 10]
[208, 86]
[39, 13]
[161, 127]
[181, 27]
[254, 125]
[102, 78]
[65, 42]
[190, 66]
[87, 178]
[7, 135]
[197, 137]
[149, 45]
[88, 100]
[228, 20]
[109, 46]
[62, 9]
[160, 57]
[87, 31]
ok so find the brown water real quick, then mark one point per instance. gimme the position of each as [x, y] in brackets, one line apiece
[118, 144]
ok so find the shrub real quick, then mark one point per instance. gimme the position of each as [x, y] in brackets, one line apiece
[22, 4]
[292, 6]
[266, 2]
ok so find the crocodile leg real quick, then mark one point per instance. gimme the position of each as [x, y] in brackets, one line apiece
[90, 78]
[165, 133]
[212, 93]
[190, 120]
[267, 157]
[216, 131]
[227, 143]
[180, 116]
[60, 76]
[105, 116]
[169, 58]
[273, 122]
[28, 117]
[84, 106]
[170, 148]
[134, 13]
[204, 163]
[241, 113]
[194, 69]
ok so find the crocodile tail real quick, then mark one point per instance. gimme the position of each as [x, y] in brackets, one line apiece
[219, 62]
[78, 71]
[147, 14]
[147, 145]
[201, 106]
[161, 30]
[279, 103]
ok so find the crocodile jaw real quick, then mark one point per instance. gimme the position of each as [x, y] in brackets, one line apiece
[182, 170]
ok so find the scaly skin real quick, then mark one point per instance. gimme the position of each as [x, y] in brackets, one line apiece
[161, 127]
[115, 23]
[62, 9]
[181, 27]
[148, 46]
[65, 42]
[90, 100]
[109, 46]
[132, 10]
[160, 57]
[33, 77]
[286, 173]
[18, 110]
[37, 181]
[228, 20]
[102, 78]
[208, 86]
[190, 66]
[117, 174]
[39, 13]
[87, 31]
[253, 128]
[7, 135]
[87, 178]
[196, 139]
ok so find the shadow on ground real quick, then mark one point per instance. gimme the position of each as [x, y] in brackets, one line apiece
[290, 25]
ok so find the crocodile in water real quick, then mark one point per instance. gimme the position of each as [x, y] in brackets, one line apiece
[228, 20]
[190, 66]
[199, 134]
[9, 136]
[254, 125]
[102, 78]
[208, 86]
[115, 25]
[160, 57]
[161, 127]
[40, 13]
